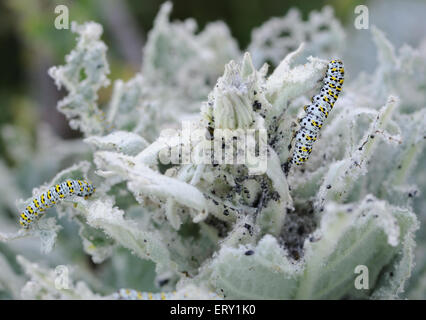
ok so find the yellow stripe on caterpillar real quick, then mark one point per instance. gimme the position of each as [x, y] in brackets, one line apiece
[39, 204]
[317, 112]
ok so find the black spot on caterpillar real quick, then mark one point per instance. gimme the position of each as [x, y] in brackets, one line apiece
[317, 112]
[35, 210]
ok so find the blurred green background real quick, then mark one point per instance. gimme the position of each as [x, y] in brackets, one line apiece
[31, 44]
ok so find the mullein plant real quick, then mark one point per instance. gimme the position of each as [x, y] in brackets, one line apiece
[220, 230]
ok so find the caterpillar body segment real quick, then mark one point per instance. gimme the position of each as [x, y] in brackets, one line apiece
[131, 294]
[38, 205]
[316, 112]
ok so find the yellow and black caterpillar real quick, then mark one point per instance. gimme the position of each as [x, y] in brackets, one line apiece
[317, 112]
[39, 204]
[131, 294]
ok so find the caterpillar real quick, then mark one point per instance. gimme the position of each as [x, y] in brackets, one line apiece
[317, 112]
[35, 210]
[131, 294]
